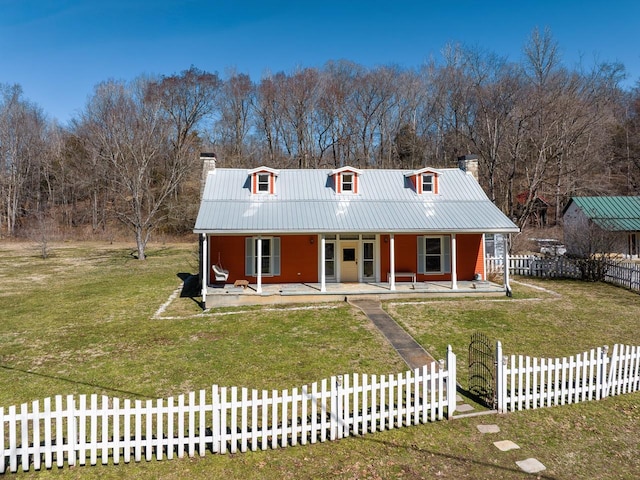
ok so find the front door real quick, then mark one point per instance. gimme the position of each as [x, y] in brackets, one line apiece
[349, 262]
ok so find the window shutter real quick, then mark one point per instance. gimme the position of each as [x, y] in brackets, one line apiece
[275, 255]
[446, 253]
[421, 260]
[249, 256]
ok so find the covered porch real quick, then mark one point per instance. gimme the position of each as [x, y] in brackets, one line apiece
[230, 295]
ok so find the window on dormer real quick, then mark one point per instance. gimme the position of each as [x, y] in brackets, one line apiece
[263, 182]
[427, 183]
[347, 182]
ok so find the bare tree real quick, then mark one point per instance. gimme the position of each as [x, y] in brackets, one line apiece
[23, 131]
[451, 110]
[540, 130]
[591, 245]
[335, 130]
[495, 96]
[625, 147]
[233, 125]
[187, 102]
[130, 131]
[267, 117]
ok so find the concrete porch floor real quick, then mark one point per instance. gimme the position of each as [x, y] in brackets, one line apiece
[228, 295]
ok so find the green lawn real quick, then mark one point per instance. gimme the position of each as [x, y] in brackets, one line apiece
[83, 321]
[556, 319]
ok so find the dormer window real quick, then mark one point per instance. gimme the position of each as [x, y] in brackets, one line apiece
[424, 181]
[263, 180]
[427, 183]
[347, 182]
[346, 179]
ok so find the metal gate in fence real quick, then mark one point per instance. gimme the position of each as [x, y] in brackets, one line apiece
[482, 370]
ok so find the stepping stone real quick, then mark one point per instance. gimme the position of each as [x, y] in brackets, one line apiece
[531, 465]
[505, 445]
[464, 408]
[488, 428]
[459, 399]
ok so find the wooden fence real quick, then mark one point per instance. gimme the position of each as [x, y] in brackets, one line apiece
[525, 382]
[624, 274]
[82, 430]
[535, 266]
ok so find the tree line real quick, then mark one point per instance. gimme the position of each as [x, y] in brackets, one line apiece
[130, 157]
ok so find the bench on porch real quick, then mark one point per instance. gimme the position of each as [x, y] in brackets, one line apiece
[410, 275]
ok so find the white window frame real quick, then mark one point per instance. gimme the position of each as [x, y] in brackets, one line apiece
[371, 260]
[431, 184]
[444, 254]
[351, 182]
[260, 182]
[251, 256]
[333, 260]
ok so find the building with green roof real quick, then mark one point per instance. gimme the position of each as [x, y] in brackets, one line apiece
[602, 225]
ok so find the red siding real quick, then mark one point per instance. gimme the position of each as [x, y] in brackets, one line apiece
[470, 258]
[229, 251]
[298, 258]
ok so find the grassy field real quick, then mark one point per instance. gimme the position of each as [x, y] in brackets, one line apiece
[85, 321]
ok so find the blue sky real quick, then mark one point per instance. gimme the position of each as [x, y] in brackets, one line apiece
[59, 50]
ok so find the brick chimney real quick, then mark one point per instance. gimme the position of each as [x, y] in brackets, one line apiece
[469, 164]
[208, 166]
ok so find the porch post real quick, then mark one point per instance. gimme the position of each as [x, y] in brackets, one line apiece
[505, 266]
[392, 262]
[454, 263]
[323, 273]
[259, 269]
[205, 267]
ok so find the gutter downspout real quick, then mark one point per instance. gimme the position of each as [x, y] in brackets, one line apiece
[205, 268]
[259, 272]
[454, 263]
[323, 273]
[505, 268]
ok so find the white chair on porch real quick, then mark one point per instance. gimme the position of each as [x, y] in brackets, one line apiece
[220, 273]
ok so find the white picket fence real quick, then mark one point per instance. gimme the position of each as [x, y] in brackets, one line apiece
[82, 430]
[524, 382]
[100, 429]
[624, 274]
[518, 264]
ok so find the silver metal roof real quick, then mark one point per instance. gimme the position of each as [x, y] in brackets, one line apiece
[305, 201]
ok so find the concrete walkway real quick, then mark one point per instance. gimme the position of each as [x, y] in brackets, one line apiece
[411, 351]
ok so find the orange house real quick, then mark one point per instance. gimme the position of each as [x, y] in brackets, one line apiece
[345, 225]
